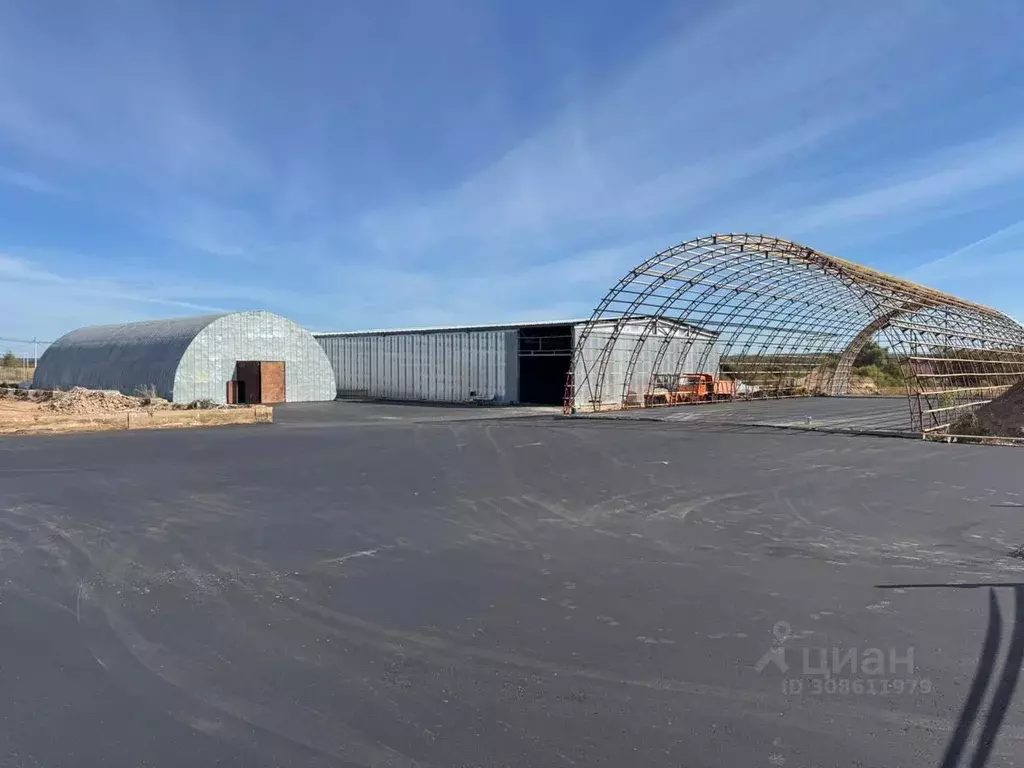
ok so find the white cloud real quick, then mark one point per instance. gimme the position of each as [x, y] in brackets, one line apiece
[999, 253]
[24, 180]
[122, 111]
[685, 133]
[716, 128]
[120, 100]
[989, 270]
[26, 274]
[481, 292]
[947, 175]
[38, 302]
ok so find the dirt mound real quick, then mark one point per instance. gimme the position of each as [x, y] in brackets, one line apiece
[863, 385]
[21, 395]
[81, 401]
[821, 380]
[1003, 417]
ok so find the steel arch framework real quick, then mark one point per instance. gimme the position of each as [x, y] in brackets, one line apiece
[787, 320]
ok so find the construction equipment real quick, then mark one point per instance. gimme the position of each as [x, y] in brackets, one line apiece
[671, 389]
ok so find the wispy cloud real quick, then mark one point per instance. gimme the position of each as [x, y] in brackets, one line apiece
[682, 136]
[997, 254]
[121, 112]
[233, 160]
[16, 272]
[31, 182]
[37, 302]
[990, 269]
[953, 173]
[86, 109]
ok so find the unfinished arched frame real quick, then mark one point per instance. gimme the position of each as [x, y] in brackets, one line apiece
[788, 320]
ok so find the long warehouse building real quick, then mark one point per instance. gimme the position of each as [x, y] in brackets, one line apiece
[512, 363]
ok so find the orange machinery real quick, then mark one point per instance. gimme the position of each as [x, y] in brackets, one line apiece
[689, 388]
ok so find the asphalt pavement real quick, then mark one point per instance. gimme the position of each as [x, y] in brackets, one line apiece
[845, 414]
[508, 592]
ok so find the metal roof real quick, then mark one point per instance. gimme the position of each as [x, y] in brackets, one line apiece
[145, 332]
[444, 328]
[495, 327]
[186, 358]
[124, 357]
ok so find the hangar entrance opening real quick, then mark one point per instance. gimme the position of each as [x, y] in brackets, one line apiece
[257, 381]
[545, 358]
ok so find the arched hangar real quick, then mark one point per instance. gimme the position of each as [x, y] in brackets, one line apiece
[789, 321]
[239, 357]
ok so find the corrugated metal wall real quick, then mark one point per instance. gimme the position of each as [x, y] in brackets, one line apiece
[209, 362]
[440, 366]
[186, 359]
[128, 357]
[686, 352]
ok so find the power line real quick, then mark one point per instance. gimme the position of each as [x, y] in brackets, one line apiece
[35, 346]
[24, 341]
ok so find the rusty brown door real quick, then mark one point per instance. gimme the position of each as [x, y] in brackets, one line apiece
[272, 383]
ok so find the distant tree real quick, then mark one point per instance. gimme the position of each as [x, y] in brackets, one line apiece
[872, 353]
[10, 360]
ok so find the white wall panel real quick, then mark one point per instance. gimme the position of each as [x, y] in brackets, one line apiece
[681, 351]
[437, 366]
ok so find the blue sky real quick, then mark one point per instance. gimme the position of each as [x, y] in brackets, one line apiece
[374, 164]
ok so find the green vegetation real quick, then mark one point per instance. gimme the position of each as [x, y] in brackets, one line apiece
[9, 360]
[798, 373]
[872, 353]
[875, 362]
[883, 377]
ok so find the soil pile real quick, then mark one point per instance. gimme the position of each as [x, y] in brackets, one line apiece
[816, 381]
[82, 402]
[863, 385]
[24, 395]
[1003, 417]
[821, 380]
[79, 401]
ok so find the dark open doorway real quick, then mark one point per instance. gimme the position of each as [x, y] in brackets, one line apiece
[545, 355]
[247, 382]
